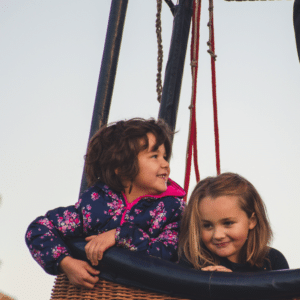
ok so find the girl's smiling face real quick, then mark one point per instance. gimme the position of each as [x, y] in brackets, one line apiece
[224, 226]
[153, 173]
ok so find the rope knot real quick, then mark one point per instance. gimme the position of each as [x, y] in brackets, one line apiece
[212, 54]
[194, 63]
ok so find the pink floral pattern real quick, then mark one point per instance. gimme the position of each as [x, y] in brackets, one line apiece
[37, 255]
[115, 208]
[77, 204]
[151, 224]
[86, 219]
[158, 216]
[137, 211]
[144, 235]
[95, 196]
[68, 222]
[127, 243]
[46, 223]
[28, 235]
[57, 251]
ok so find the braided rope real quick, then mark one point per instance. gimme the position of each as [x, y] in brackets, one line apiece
[159, 51]
[210, 25]
[211, 51]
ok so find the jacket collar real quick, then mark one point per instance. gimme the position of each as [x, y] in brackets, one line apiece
[173, 190]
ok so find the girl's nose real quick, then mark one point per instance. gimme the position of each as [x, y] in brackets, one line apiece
[219, 233]
[165, 163]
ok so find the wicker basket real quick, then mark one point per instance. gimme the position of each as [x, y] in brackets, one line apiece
[5, 297]
[104, 290]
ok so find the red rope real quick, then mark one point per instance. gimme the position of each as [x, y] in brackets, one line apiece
[214, 92]
[192, 138]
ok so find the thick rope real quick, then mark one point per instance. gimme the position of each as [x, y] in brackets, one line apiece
[211, 51]
[192, 137]
[159, 51]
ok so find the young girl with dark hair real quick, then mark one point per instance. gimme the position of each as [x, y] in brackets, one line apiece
[131, 203]
[225, 228]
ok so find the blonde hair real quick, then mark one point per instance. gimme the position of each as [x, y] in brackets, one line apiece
[256, 247]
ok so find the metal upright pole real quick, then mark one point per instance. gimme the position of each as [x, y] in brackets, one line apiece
[108, 69]
[296, 19]
[174, 70]
[109, 64]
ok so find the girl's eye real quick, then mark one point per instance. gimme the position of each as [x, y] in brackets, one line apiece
[207, 226]
[154, 156]
[228, 223]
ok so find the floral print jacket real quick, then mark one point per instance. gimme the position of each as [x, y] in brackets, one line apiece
[149, 224]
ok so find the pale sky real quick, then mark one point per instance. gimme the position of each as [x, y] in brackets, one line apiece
[50, 58]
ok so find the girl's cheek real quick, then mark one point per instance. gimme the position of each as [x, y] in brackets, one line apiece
[205, 236]
[242, 239]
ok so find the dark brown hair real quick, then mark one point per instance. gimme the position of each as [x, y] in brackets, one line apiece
[116, 147]
[227, 184]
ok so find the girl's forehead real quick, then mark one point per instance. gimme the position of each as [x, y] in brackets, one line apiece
[148, 142]
[216, 212]
[151, 139]
[221, 203]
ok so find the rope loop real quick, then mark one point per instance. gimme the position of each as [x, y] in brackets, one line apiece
[192, 137]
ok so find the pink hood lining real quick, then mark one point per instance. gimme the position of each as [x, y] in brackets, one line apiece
[173, 190]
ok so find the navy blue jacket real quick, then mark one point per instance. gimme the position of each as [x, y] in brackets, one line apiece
[150, 224]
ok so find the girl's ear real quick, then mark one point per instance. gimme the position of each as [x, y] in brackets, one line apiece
[252, 221]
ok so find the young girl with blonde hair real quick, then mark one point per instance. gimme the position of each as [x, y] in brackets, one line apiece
[225, 228]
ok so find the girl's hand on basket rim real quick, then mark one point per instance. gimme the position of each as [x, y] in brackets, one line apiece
[79, 272]
[98, 244]
[216, 268]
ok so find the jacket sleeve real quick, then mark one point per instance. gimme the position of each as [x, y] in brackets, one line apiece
[161, 238]
[46, 235]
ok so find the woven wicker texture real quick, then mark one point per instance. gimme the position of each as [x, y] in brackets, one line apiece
[4, 297]
[104, 290]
